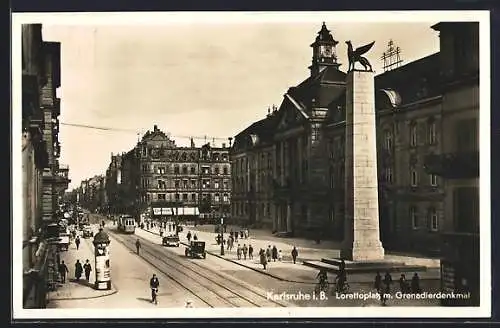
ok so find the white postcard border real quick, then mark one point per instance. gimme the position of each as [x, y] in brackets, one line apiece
[160, 18]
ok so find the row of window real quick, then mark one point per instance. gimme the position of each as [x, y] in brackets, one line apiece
[431, 135]
[388, 176]
[190, 184]
[239, 209]
[185, 156]
[185, 170]
[431, 219]
[187, 197]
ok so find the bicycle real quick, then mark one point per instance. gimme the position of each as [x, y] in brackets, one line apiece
[344, 290]
[322, 286]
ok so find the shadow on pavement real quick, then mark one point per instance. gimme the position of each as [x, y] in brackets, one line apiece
[144, 299]
[82, 282]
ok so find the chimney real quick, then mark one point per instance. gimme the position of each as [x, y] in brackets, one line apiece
[155, 128]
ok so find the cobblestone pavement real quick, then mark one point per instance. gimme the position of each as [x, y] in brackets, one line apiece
[359, 283]
[130, 276]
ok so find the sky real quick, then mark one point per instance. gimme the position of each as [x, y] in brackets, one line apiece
[193, 79]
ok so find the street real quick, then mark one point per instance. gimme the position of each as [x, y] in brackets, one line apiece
[210, 282]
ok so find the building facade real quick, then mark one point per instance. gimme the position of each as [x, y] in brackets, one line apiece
[413, 106]
[44, 180]
[457, 165]
[193, 180]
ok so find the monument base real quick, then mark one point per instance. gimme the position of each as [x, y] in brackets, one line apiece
[362, 252]
[359, 267]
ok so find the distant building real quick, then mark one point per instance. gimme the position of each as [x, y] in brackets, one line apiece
[188, 181]
[423, 111]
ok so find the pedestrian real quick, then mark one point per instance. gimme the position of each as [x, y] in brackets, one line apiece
[236, 236]
[295, 253]
[263, 259]
[161, 231]
[245, 251]
[246, 234]
[378, 282]
[195, 237]
[77, 242]
[188, 236]
[403, 284]
[231, 233]
[250, 252]
[387, 286]
[87, 268]
[78, 270]
[280, 256]
[169, 227]
[63, 270]
[137, 245]
[241, 234]
[274, 253]
[229, 242]
[268, 253]
[415, 284]
[238, 252]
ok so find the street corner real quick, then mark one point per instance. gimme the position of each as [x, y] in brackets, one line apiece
[79, 290]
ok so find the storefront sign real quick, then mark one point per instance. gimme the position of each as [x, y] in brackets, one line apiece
[156, 211]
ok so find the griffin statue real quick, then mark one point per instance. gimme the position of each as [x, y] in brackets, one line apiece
[355, 56]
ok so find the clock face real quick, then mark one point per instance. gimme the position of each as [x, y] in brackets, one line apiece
[327, 51]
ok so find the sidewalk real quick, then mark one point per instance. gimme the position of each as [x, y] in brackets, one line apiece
[286, 270]
[77, 290]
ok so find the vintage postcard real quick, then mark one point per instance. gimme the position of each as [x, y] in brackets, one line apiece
[244, 164]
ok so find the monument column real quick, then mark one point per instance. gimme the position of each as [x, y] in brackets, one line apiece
[361, 236]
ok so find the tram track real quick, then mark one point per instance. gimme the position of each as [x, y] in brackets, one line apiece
[212, 288]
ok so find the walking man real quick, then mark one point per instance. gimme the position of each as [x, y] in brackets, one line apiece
[250, 252]
[77, 242]
[78, 270]
[238, 252]
[295, 253]
[63, 270]
[263, 258]
[274, 253]
[87, 268]
[137, 245]
[188, 236]
[245, 251]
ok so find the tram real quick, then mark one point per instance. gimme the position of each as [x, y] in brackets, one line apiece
[126, 224]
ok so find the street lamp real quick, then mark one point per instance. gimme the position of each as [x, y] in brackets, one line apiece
[222, 237]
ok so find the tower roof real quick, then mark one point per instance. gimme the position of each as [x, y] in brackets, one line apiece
[324, 35]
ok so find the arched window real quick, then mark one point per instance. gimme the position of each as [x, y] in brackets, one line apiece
[414, 217]
[388, 140]
[433, 219]
[413, 134]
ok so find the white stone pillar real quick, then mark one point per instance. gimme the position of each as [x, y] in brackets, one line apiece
[362, 237]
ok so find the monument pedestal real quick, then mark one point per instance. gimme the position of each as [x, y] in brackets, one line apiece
[361, 235]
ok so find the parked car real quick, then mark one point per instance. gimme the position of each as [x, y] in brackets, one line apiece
[171, 240]
[87, 231]
[196, 249]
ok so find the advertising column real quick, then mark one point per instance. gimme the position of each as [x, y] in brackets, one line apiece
[102, 265]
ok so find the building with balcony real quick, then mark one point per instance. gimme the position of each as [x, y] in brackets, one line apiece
[424, 116]
[188, 181]
[43, 180]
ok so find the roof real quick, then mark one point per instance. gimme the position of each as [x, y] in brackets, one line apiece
[414, 81]
[260, 132]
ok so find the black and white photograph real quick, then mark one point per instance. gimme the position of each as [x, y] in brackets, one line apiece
[251, 164]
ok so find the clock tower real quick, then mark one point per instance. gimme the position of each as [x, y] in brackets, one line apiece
[324, 51]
